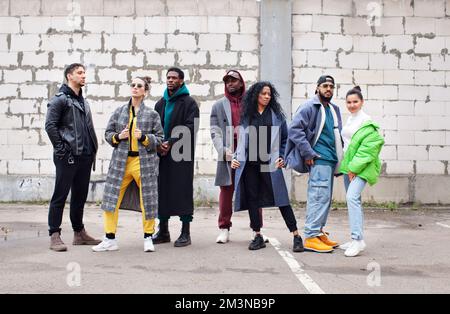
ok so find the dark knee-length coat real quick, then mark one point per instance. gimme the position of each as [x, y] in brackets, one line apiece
[149, 123]
[176, 177]
[279, 134]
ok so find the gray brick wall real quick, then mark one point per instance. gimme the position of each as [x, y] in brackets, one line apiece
[398, 52]
[116, 40]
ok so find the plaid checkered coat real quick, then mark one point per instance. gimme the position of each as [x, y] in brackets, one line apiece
[149, 122]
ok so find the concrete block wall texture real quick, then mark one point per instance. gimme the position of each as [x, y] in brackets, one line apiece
[398, 52]
[116, 40]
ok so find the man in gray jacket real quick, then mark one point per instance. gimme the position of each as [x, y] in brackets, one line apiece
[315, 147]
[225, 120]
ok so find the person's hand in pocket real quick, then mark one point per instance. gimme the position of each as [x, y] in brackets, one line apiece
[351, 176]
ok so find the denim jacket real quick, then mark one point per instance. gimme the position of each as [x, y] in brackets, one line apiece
[304, 131]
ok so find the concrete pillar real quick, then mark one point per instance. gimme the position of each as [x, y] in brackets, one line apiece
[276, 48]
[276, 53]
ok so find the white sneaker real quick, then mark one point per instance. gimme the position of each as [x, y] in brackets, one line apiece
[106, 245]
[345, 245]
[356, 247]
[224, 236]
[266, 239]
[148, 245]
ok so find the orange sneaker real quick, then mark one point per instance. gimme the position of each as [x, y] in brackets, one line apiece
[316, 245]
[324, 238]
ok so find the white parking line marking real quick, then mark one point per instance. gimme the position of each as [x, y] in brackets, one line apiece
[443, 225]
[297, 269]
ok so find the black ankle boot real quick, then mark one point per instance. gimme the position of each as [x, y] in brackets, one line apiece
[185, 236]
[163, 235]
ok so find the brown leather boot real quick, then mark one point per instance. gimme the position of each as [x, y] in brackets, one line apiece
[56, 244]
[82, 238]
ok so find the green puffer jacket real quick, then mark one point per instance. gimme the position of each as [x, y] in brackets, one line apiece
[362, 155]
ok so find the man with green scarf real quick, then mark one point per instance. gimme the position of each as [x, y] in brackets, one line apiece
[179, 114]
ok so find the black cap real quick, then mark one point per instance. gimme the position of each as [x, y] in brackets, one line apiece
[325, 78]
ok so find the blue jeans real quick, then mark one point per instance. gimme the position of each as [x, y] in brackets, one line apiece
[320, 191]
[355, 210]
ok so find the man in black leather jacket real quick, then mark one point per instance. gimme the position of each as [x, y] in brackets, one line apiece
[70, 129]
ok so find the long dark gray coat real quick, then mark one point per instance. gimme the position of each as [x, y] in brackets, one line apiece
[149, 123]
[176, 179]
[278, 145]
[222, 137]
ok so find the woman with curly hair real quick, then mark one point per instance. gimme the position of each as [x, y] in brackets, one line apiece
[259, 161]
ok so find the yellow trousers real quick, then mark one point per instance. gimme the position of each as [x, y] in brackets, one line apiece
[132, 172]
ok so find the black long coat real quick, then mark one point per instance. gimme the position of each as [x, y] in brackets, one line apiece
[176, 178]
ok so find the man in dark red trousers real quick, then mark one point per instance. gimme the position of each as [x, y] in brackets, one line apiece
[225, 119]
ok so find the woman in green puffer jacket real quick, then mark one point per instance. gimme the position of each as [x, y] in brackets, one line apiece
[361, 164]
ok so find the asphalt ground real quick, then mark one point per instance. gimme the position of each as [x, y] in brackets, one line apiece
[407, 252]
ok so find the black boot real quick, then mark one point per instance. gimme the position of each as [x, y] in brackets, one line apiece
[163, 235]
[298, 244]
[185, 236]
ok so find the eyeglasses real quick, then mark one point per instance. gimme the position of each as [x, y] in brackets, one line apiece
[326, 86]
[133, 85]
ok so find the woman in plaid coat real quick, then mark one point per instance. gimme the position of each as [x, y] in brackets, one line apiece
[135, 131]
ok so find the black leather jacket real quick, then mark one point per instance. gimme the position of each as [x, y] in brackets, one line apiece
[65, 127]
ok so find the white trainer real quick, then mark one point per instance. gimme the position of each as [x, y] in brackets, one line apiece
[148, 245]
[345, 245]
[356, 247]
[106, 245]
[224, 236]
